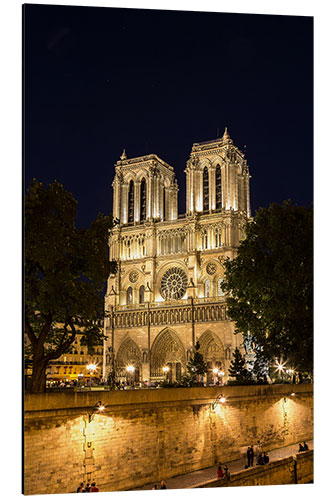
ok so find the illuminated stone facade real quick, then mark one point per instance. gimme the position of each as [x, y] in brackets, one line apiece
[167, 293]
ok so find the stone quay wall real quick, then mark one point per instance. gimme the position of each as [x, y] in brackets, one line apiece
[148, 435]
[290, 470]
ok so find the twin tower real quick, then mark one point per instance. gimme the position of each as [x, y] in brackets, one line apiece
[167, 291]
[217, 178]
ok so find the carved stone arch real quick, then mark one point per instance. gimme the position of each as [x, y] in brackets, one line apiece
[164, 267]
[166, 348]
[217, 160]
[128, 354]
[127, 281]
[143, 174]
[130, 176]
[205, 162]
[166, 182]
[211, 347]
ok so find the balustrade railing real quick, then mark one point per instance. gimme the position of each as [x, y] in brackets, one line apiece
[171, 312]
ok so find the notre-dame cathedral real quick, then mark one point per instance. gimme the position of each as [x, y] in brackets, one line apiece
[166, 294]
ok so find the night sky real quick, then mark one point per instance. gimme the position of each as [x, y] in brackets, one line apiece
[98, 80]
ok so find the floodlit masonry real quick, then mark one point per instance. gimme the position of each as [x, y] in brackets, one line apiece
[143, 436]
[167, 292]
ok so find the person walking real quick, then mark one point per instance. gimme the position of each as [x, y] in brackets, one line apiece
[248, 454]
[219, 471]
[163, 485]
[251, 455]
[80, 488]
[93, 487]
[226, 473]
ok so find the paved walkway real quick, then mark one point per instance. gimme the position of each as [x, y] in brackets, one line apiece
[191, 479]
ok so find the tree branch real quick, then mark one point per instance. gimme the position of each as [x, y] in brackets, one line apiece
[63, 345]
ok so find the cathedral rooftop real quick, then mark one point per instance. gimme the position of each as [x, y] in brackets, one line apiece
[220, 141]
[124, 161]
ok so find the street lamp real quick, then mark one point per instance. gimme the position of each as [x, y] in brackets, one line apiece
[218, 373]
[92, 367]
[130, 369]
[99, 406]
[166, 370]
[219, 399]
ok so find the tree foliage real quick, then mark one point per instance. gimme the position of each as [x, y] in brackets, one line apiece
[64, 276]
[196, 366]
[238, 368]
[270, 284]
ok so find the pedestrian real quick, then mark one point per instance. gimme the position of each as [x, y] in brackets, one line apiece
[87, 489]
[163, 485]
[80, 488]
[226, 473]
[251, 455]
[154, 487]
[266, 458]
[219, 471]
[248, 454]
[300, 448]
[93, 487]
[260, 460]
[305, 446]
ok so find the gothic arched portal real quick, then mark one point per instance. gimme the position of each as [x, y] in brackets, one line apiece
[128, 354]
[167, 350]
[212, 350]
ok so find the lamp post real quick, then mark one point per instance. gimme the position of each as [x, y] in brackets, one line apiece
[130, 369]
[219, 374]
[92, 367]
[99, 406]
[219, 399]
[166, 370]
[215, 371]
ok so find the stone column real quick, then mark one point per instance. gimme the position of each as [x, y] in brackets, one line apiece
[149, 196]
[212, 188]
[137, 201]
[223, 185]
[248, 206]
[116, 198]
[124, 204]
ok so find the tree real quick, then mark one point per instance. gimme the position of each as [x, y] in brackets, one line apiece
[270, 284]
[238, 368]
[64, 276]
[196, 366]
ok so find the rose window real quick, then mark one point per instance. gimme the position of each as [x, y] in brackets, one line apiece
[211, 268]
[133, 276]
[173, 284]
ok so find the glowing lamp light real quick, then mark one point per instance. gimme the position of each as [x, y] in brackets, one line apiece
[220, 374]
[216, 370]
[130, 368]
[280, 367]
[92, 367]
[219, 399]
[165, 369]
[99, 406]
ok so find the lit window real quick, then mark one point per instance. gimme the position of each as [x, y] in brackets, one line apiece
[207, 287]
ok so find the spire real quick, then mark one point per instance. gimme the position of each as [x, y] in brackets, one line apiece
[124, 155]
[226, 137]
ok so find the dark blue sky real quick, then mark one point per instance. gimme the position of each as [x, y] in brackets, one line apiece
[97, 80]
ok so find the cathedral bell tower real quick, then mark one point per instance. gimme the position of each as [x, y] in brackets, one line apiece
[217, 178]
[144, 189]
